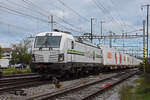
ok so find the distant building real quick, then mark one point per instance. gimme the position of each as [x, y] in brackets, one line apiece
[6, 57]
[6, 53]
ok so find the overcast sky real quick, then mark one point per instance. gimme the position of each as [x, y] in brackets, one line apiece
[21, 18]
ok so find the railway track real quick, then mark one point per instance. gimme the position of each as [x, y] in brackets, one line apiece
[14, 79]
[29, 80]
[19, 75]
[84, 91]
[12, 83]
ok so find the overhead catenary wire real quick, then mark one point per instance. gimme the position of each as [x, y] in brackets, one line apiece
[104, 10]
[69, 23]
[64, 21]
[13, 33]
[9, 12]
[18, 13]
[118, 14]
[68, 28]
[125, 24]
[101, 9]
[29, 8]
[31, 3]
[114, 19]
[56, 23]
[39, 8]
[14, 26]
[14, 3]
[23, 14]
[74, 11]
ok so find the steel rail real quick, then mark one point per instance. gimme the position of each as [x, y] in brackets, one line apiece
[18, 82]
[93, 95]
[66, 90]
[19, 75]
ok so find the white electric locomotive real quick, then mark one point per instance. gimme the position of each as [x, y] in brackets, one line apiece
[59, 53]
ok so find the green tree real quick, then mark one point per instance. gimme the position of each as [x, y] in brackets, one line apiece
[21, 52]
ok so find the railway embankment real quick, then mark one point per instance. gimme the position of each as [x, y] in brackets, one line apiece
[139, 90]
[134, 88]
[114, 92]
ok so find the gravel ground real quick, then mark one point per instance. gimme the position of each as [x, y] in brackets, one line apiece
[44, 88]
[80, 94]
[113, 94]
[34, 91]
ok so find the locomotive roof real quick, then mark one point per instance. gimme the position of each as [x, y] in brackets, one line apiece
[55, 34]
[66, 35]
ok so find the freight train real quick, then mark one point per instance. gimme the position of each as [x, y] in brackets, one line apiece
[60, 53]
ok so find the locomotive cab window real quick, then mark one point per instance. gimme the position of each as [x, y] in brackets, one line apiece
[72, 45]
[47, 41]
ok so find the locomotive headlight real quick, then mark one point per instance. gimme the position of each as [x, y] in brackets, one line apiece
[61, 57]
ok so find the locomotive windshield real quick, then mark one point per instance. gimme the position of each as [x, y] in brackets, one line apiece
[47, 42]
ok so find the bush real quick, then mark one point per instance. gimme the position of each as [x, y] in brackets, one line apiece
[13, 70]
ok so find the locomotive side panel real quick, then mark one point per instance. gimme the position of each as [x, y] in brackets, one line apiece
[84, 53]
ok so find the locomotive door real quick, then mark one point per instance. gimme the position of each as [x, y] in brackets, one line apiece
[70, 53]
